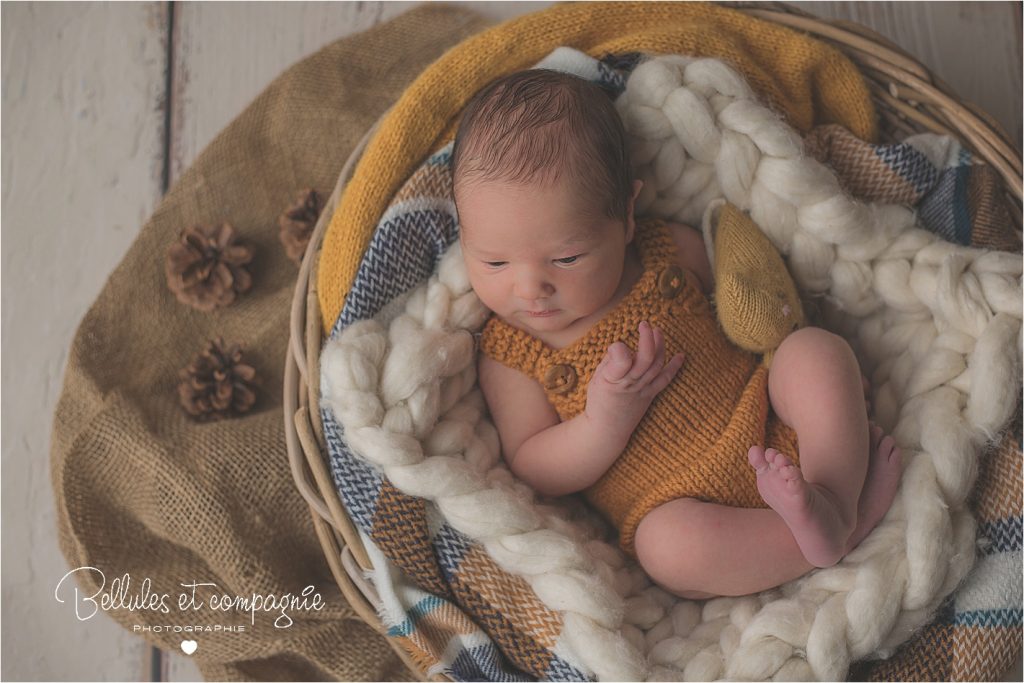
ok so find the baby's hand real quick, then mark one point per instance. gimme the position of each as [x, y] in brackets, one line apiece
[624, 385]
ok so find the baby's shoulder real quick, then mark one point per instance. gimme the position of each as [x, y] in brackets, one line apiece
[502, 383]
[691, 253]
[517, 403]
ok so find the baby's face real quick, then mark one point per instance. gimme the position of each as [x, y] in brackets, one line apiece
[534, 255]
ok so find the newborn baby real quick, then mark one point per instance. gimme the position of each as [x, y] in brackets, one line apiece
[606, 371]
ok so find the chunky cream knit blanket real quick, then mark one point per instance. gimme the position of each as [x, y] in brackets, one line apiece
[936, 326]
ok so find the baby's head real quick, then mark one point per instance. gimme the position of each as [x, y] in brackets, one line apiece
[545, 194]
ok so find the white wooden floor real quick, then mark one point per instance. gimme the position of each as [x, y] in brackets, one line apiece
[104, 105]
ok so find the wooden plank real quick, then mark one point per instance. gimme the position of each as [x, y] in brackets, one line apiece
[224, 54]
[227, 53]
[83, 146]
[975, 47]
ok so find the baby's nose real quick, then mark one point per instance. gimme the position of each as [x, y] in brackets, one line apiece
[530, 287]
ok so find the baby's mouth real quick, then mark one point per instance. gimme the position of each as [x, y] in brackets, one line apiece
[542, 314]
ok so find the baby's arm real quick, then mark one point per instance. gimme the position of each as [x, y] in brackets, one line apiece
[557, 458]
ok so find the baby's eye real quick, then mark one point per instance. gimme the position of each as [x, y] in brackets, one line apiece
[495, 264]
[568, 259]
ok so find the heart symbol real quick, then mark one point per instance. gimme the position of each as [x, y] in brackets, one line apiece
[189, 646]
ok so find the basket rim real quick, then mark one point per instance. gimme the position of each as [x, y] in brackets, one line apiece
[303, 433]
[922, 102]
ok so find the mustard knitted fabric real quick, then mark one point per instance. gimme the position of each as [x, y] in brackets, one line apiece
[808, 81]
[694, 438]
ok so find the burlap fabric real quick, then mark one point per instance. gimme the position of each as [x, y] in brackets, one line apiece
[142, 489]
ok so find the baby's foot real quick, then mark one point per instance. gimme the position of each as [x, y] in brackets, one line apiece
[808, 510]
[885, 468]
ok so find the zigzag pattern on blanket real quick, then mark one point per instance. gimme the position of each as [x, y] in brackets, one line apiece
[935, 321]
[421, 208]
[957, 198]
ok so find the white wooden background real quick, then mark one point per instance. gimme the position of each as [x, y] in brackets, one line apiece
[103, 106]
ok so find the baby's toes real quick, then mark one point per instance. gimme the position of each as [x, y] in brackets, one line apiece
[791, 473]
[755, 456]
[876, 435]
[778, 460]
[888, 449]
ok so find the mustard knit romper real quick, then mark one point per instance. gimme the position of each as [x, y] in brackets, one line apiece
[693, 441]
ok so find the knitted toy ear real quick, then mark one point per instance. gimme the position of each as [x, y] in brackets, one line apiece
[757, 301]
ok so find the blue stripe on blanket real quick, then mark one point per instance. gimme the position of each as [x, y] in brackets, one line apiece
[415, 613]
[403, 253]
[990, 618]
[483, 663]
[442, 157]
[961, 203]
[909, 164]
[358, 483]
[945, 209]
[451, 546]
[560, 670]
[1003, 535]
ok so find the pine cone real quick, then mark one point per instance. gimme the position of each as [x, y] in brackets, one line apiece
[217, 384]
[206, 268]
[297, 223]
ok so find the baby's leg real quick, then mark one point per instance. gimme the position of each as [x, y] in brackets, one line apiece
[815, 387]
[698, 550]
[884, 471]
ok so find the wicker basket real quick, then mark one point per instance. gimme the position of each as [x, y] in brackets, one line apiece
[909, 100]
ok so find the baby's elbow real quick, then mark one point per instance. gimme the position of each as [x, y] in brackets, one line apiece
[538, 481]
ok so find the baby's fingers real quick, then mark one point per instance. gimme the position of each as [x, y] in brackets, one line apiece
[646, 351]
[666, 375]
[616, 362]
[656, 362]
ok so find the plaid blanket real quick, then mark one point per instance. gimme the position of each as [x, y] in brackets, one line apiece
[445, 599]
[956, 197]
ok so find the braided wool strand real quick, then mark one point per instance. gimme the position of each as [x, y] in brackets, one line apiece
[938, 325]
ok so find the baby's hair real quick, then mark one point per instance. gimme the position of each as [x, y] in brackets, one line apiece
[533, 126]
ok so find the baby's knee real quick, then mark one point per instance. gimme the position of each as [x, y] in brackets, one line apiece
[671, 549]
[814, 340]
[811, 351]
